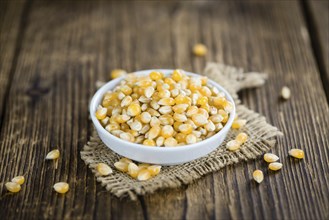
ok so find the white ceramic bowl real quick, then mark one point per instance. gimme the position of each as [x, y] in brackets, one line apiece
[158, 155]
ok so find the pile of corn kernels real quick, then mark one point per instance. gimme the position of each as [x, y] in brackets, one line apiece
[159, 110]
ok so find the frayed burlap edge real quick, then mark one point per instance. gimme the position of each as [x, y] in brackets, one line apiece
[262, 138]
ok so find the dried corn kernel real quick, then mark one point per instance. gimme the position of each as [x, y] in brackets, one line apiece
[126, 101]
[275, 166]
[180, 137]
[155, 75]
[121, 166]
[53, 155]
[116, 73]
[143, 175]
[199, 50]
[180, 117]
[258, 176]
[103, 169]
[233, 145]
[160, 141]
[13, 187]
[202, 101]
[133, 170]
[297, 153]
[61, 187]
[134, 109]
[180, 108]
[148, 92]
[101, 113]
[239, 123]
[154, 170]
[166, 101]
[146, 117]
[18, 179]
[167, 131]
[149, 142]
[199, 119]
[190, 139]
[242, 137]
[285, 93]
[177, 75]
[270, 158]
[153, 132]
[185, 128]
[170, 142]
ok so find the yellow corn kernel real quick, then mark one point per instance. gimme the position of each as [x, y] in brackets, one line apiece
[199, 119]
[166, 120]
[180, 137]
[170, 142]
[192, 110]
[108, 98]
[154, 170]
[179, 117]
[233, 145]
[13, 187]
[258, 176]
[204, 80]
[148, 92]
[242, 137]
[153, 112]
[181, 99]
[210, 126]
[205, 91]
[297, 153]
[127, 90]
[199, 50]
[165, 109]
[136, 126]
[202, 101]
[101, 113]
[103, 169]
[164, 93]
[18, 179]
[239, 123]
[127, 136]
[155, 122]
[186, 128]
[113, 126]
[167, 131]
[169, 81]
[190, 139]
[153, 132]
[228, 106]
[149, 142]
[125, 160]
[204, 112]
[270, 158]
[121, 118]
[176, 125]
[116, 73]
[166, 101]
[224, 114]
[143, 175]
[159, 141]
[155, 75]
[53, 155]
[142, 166]
[145, 117]
[180, 108]
[126, 101]
[285, 93]
[194, 87]
[134, 109]
[177, 75]
[144, 83]
[219, 101]
[133, 170]
[275, 166]
[133, 134]
[121, 166]
[61, 187]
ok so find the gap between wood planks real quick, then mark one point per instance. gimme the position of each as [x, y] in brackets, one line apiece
[313, 32]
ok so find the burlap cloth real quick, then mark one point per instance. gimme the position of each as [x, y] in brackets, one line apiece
[262, 138]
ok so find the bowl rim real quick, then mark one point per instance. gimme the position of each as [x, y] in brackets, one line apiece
[102, 90]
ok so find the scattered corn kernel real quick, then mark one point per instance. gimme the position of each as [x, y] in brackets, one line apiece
[121, 166]
[144, 175]
[116, 73]
[233, 145]
[242, 137]
[53, 155]
[133, 170]
[275, 166]
[239, 123]
[285, 92]
[270, 158]
[258, 176]
[61, 187]
[18, 179]
[297, 153]
[13, 187]
[154, 170]
[103, 169]
[199, 50]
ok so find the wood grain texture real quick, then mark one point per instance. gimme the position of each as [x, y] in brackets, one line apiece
[67, 46]
[319, 24]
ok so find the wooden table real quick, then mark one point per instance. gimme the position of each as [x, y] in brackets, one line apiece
[53, 52]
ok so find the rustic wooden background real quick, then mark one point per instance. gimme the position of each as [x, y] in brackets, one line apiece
[52, 53]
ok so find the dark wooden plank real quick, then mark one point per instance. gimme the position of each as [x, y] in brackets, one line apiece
[11, 31]
[318, 17]
[69, 45]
